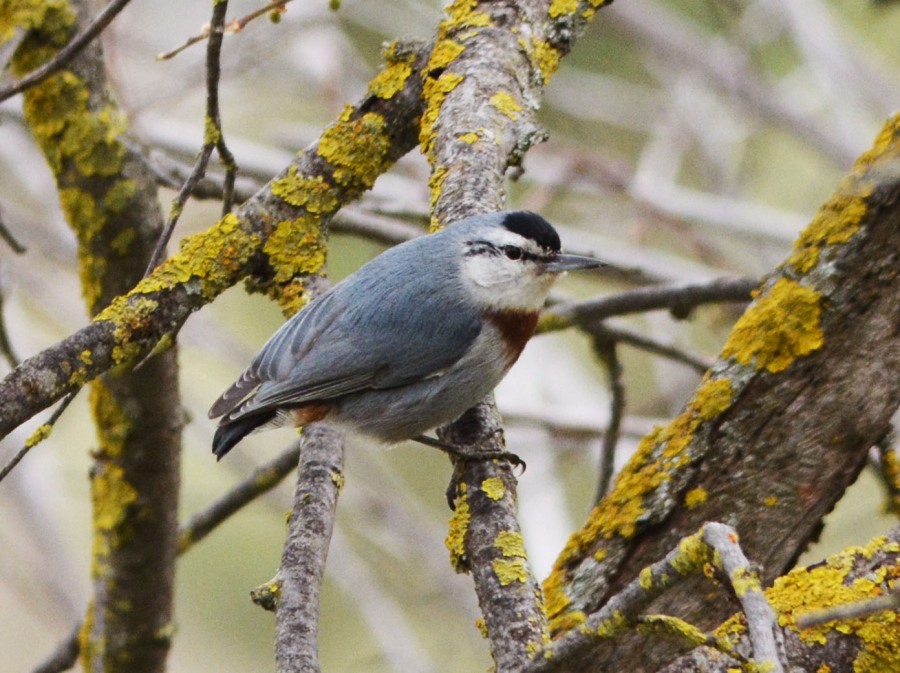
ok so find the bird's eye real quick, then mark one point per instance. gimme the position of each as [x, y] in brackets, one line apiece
[512, 252]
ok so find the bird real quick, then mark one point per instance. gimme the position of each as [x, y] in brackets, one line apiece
[408, 342]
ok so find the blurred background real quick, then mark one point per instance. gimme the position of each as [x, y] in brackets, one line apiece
[689, 139]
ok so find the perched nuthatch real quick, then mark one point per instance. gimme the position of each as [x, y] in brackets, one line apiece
[408, 342]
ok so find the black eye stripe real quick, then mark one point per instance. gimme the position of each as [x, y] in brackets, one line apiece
[514, 252]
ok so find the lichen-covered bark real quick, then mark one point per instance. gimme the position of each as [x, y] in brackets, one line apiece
[111, 205]
[862, 645]
[294, 207]
[807, 382]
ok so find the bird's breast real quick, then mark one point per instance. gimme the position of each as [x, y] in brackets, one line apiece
[515, 328]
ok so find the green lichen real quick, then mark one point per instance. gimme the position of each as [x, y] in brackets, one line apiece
[49, 20]
[357, 148]
[118, 197]
[778, 328]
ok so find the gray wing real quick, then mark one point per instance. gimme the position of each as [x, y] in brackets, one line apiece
[386, 326]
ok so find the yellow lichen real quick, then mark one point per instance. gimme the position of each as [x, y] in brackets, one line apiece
[645, 578]
[614, 626]
[434, 92]
[337, 478]
[39, 435]
[779, 327]
[693, 552]
[510, 543]
[806, 590]
[358, 150]
[295, 249]
[469, 138]
[464, 14]
[390, 81]
[314, 194]
[493, 488]
[509, 570]
[695, 497]
[458, 529]
[506, 104]
[443, 54]
[561, 7]
[770, 501]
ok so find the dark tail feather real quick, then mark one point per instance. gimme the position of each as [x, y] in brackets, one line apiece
[230, 433]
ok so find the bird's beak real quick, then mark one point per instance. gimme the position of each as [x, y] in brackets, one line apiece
[572, 263]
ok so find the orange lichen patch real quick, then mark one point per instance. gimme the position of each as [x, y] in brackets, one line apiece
[779, 327]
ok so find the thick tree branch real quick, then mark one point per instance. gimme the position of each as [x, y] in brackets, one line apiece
[289, 214]
[805, 385]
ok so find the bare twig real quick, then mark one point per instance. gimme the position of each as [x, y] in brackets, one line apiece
[235, 26]
[606, 351]
[296, 588]
[264, 478]
[213, 139]
[680, 299]
[38, 435]
[6, 349]
[11, 240]
[855, 610]
[63, 657]
[67, 53]
[649, 344]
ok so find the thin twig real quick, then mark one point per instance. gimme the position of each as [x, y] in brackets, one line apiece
[235, 26]
[6, 349]
[11, 240]
[67, 53]
[64, 657]
[38, 436]
[855, 610]
[680, 299]
[606, 351]
[212, 139]
[762, 625]
[296, 588]
[650, 345]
